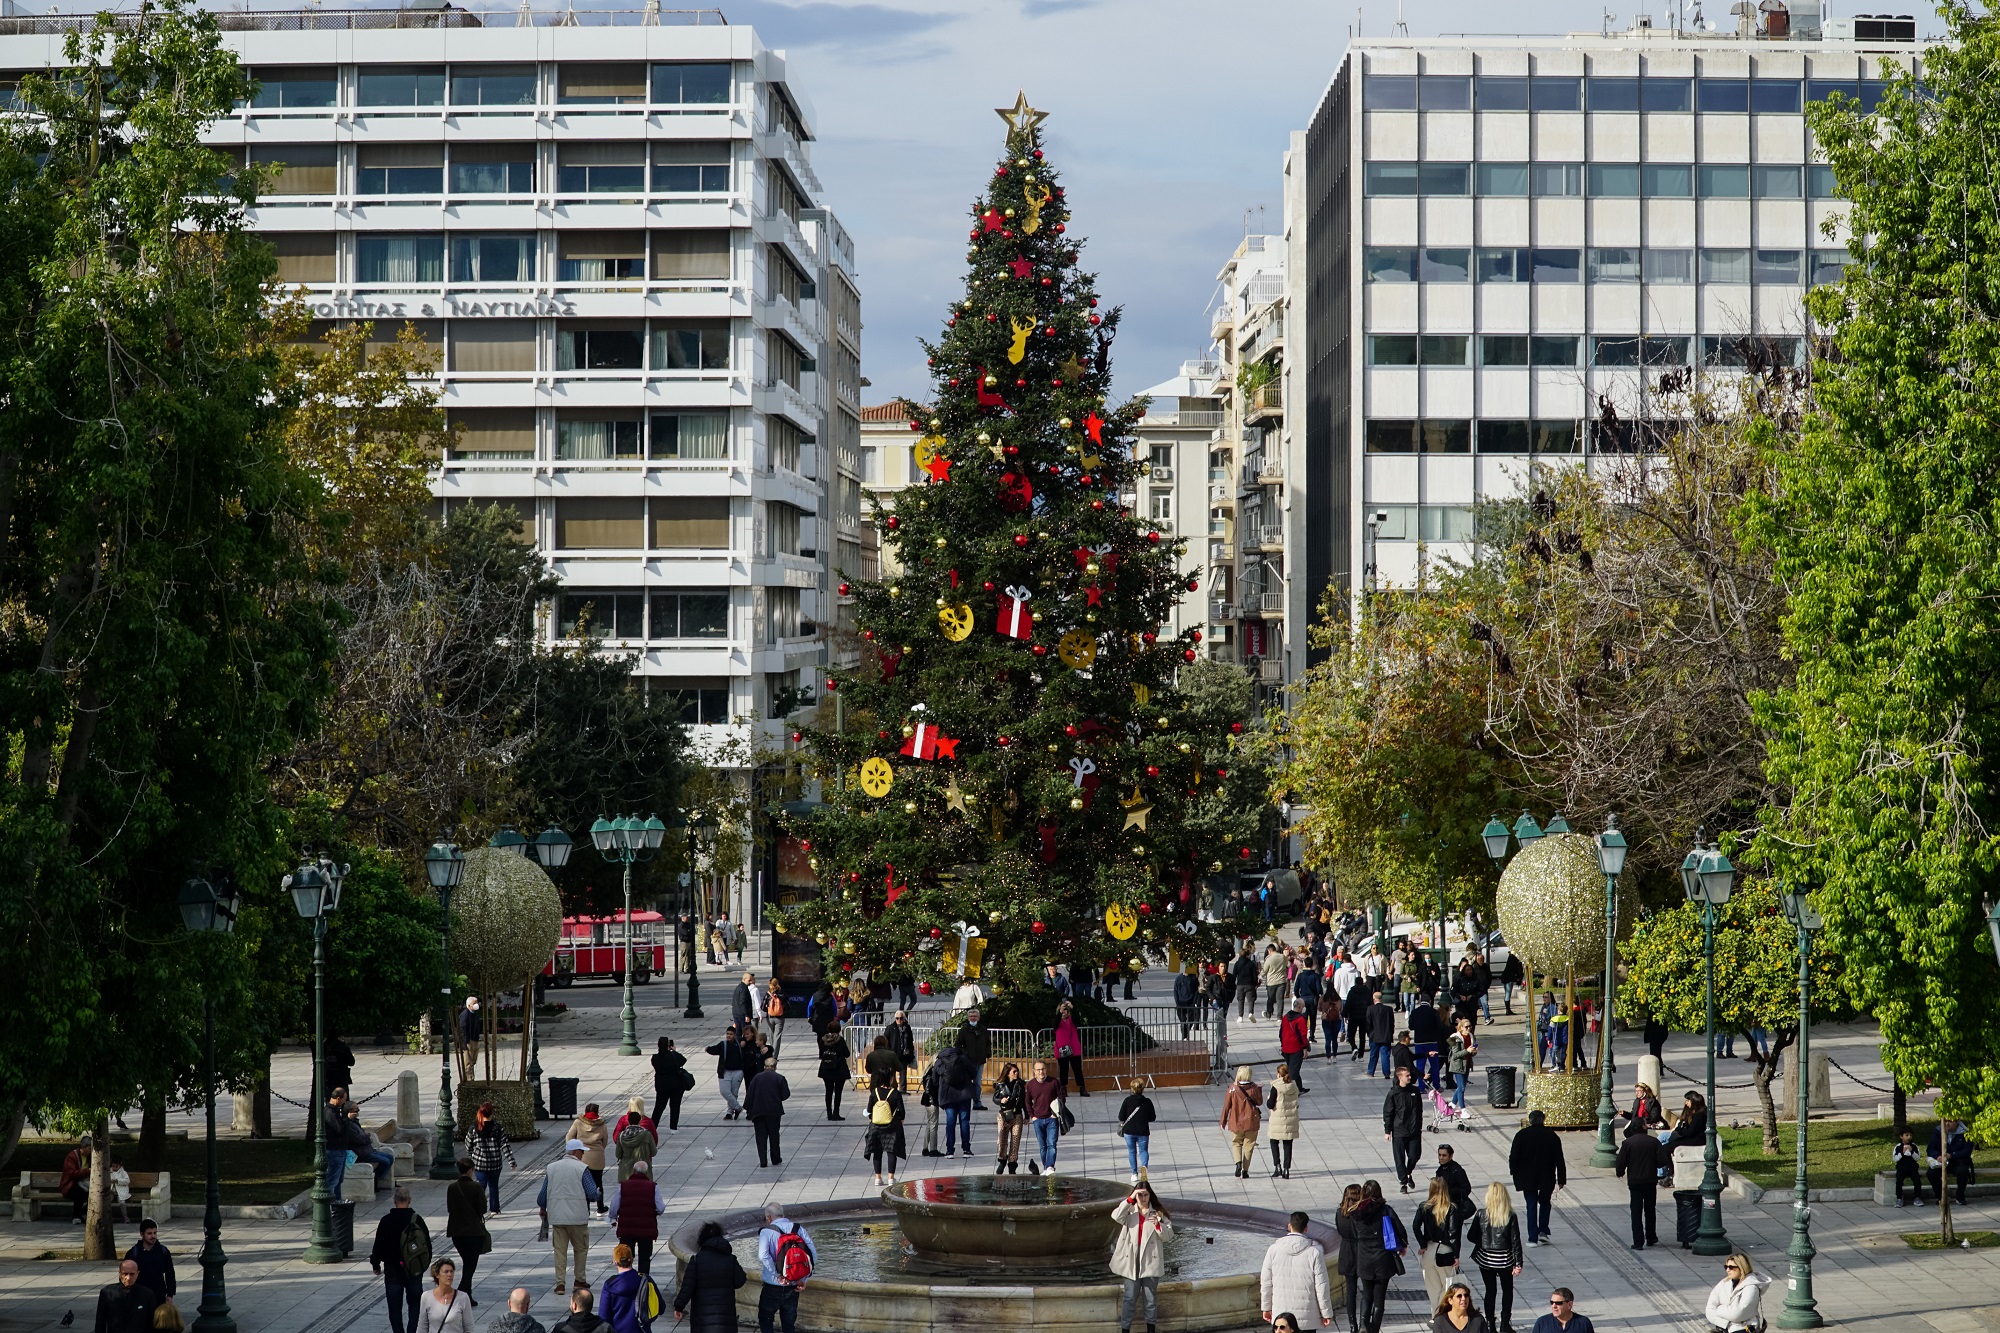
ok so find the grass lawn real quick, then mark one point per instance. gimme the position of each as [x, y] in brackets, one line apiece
[1929, 1240]
[253, 1171]
[1840, 1154]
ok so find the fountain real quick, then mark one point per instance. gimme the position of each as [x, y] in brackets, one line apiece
[1006, 1252]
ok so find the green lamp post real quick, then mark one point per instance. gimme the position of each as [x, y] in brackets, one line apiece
[627, 841]
[1495, 835]
[204, 910]
[1801, 1310]
[1706, 878]
[550, 850]
[444, 866]
[315, 890]
[1611, 860]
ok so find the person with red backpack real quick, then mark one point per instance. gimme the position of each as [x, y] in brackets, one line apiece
[787, 1257]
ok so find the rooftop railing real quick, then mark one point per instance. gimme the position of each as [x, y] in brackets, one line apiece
[439, 16]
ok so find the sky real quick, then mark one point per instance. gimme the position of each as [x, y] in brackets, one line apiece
[1168, 120]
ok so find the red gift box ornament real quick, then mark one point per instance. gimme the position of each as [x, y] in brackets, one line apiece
[1015, 620]
[1016, 492]
[922, 743]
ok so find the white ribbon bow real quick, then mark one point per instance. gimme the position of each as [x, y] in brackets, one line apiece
[1080, 767]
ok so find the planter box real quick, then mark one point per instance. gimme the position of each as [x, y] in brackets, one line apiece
[513, 1101]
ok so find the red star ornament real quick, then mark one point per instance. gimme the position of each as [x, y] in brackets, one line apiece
[991, 220]
[939, 467]
[1022, 268]
[1093, 595]
[1093, 426]
[947, 746]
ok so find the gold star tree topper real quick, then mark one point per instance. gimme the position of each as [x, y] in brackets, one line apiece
[1021, 118]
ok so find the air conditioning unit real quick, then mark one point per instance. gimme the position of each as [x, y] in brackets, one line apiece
[1163, 474]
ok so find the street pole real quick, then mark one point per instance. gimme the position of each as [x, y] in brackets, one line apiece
[1606, 1153]
[630, 1017]
[1801, 1310]
[1711, 1239]
[534, 1023]
[321, 1248]
[213, 1315]
[444, 1157]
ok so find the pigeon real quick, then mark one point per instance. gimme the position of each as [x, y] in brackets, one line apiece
[708, 1153]
[69, 1317]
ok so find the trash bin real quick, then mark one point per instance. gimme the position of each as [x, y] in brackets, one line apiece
[562, 1098]
[1500, 1085]
[1687, 1216]
[343, 1224]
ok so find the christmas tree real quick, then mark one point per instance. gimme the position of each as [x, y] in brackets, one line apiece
[1013, 754]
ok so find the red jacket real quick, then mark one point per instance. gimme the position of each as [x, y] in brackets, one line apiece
[1294, 1034]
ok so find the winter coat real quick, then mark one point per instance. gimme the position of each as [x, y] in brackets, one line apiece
[620, 1301]
[1068, 1041]
[1381, 1023]
[1294, 1035]
[883, 1066]
[465, 1216]
[1495, 1247]
[1640, 1158]
[976, 1042]
[957, 1078]
[1459, 1050]
[1536, 1160]
[488, 1146]
[1141, 1247]
[1187, 989]
[834, 1055]
[889, 1137]
[903, 1041]
[1372, 1262]
[1293, 1278]
[596, 1137]
[766, 1095]
[1734, 1303]
[1282, 1096]
[1244, 970]
[667, 1069]
[1403, 1112]
[1135, 1116]
[638, 1209]
[637, 1142]
[1442, 1238]
[1426, 1028]
[1241, 1108]
[708, 1288]
[1272, 971]
[1454, 1178]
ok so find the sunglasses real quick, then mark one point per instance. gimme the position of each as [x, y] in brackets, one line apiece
[1557, 1300]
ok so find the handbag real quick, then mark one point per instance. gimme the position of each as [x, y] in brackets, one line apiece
[1065, 1119]
[1389, 1245]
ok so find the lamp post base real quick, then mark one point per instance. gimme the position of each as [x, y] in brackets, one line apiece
[693, 1009]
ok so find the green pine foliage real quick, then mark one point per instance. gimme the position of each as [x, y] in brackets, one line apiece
[1055, 739]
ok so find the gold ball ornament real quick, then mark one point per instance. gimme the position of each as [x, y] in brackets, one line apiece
[984, 438]
[938, 542]
[909, 807]
[1214, 866]
[895, 591]
[813, 861]
[819, 939]
[1076, 803]
[1065, 423]
[1010, 212]
[847, 948]
[1092, 568]
[1551, 904]
[993, 918]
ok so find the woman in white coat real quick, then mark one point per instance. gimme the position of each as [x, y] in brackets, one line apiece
[1735, 1303]
[1140, 1254]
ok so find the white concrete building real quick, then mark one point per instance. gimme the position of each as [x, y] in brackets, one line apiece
[1173, 441]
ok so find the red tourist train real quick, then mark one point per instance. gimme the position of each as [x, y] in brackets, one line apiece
[593, 946]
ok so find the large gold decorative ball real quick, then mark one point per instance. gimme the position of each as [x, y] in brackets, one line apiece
[1551, 905]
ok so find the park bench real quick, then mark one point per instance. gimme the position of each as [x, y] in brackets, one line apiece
[1885, 1188]
[152, 1194]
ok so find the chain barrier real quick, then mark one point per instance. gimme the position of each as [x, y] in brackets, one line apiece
[358, 1101]
[1872, 1087]
[1733, 1087]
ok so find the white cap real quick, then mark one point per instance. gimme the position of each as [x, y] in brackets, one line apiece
[575, 1145]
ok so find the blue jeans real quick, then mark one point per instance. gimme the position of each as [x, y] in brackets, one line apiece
[491, 1180]
[1485, 1007]
[1428, 1060]
[1537, 1206]
[958, 1118]
[1137, 1151]
[1047, 1135]
[1725, 1045]
[1380, 1051]
[336, 1170]
[384, 1166]
[1329, 1036]
[403, 1292]
[1458, 1093]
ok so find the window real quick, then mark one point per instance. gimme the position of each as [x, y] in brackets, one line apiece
[1778, 267]
[784, 444]
[612, 85]
[782, 278]
[400, 85]
[300, 168]
[1448, 265]
[492, 168]
[601, 256]
[1446, 92]
[1503, 178]
[783, 196]
[1616, 180]
[1774, 182]
[1548, 93]
[1500, 266]
[1505, 437]
[1777, 97]
[393, 258]
[1161, 506]
[1556, 265]
[688, 615]
[1666, 95]
[1723, 182]
[601, 168]
[1614, 264]
[783, 115]
[1614, 351]
[1391, 437]
[1388, 263]
[691, 345]
[1442, 349]
[304, 256]
[782, 524]
[1614, 94]
[1722, 94]
[1639, 351]
[697, 166]
[493, 85]
[506, 258]
[705, 84]
[1392, 349]
[291, 87]
[691, 254]
[1550, 179]
[689, 435]
[1749, 352]
[598, 615]
[601, 349]
[1382, 92]
[781, 614]
[400, 168]
[1444, 436]
[1444, 178]
[1444, 523]
[494, 434]
[601, 523]
[784, 362]
[691, 523]
[1670, 266]
[1868, 91]
[1503, 349]
[1668, 180]
[1391, 178]
[1552, 352]
[1829, 266]
[1557, 437]
[1500, 93]
[491, 346]
[588, 439]
[1728, 266]
[1819, 182]
[700, 702]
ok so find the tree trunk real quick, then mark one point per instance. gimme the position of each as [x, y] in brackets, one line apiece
[98, 1242]
[527, 1021]
[1761, 1076]
[1945, 1231]
[151, 1149]
[1902, 1112]
[13, 1117]
[260, 1105]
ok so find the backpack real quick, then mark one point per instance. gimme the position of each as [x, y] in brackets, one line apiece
[881, 1113]
[650, 1301]
[794, 1261]
[774, 1006]
[416, 1246]
[960, 1072]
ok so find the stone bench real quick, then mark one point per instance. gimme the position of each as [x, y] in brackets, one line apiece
[152, 1194]
[1885, 1188]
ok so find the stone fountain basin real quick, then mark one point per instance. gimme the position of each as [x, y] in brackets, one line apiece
[1000, 1221]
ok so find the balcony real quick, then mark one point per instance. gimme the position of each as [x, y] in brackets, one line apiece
[1222, 553]
[1221, 611]
[1221, 323]
[1272, 672]
[1271, 471]
[1271, 538]
[1271, 603]
[1176, 418]
[1266, 401]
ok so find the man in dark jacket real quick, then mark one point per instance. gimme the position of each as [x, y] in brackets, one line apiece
[728, 1055]
[1187, 1000]
[156, 1263]
[1639, 1159]
[764, 1100]
[883, 1066]
[581, 1320]
[1536, 1163]
[1307, 986]
[977, 1046]
[1354, 1007]
[1469, 986]
[903, 1041]
[1427, 1034]
[1403, 1126]
[402, 1287]
[1381, 1036]
[1244, 973]
[741, 1006]
[1454, 1178]
[127, 1305]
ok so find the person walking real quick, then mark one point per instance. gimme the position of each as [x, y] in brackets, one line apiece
[446, 1308]
[774, 1012]
[728, 1055]
[1068, 1045]
[1403, 1127]
[743, 1002]
[1459, 1048]
[487, 1146]
[1639, 1162]
[903, 1041]
[589, 1130]
[786, 1257]
[156, 1262]
[1274, 974]
[1291, 1282]
[1454, 1312]
[707, 1294]
[1454, 1177]
[1329, 1019]
[956, 1081]
[564, 1201]
[634, 1139]
[581, 1318]
[465, 1226]
[1512, 974]
[1043, 1098]
[671, 1082]
[1135, 1125]
[975, 1043]
[1187, 999]
[882, 1065]
[1562, 1316]
[401, 1256]
[1381, 1036]
[1350, 1199]
[1495, 1236]
[1427, 1034]
[1282, 1099]
[1359, 997]
[835, 1057]
[931, 1083]
[637, 1217]
[516, 1319]
[1736, 1302]
[1535, 1161]
[1010, 1099]
[1139, 1254]
[1244, 972]
[1242, 1113]
[127, 1305]
[1438, 1229]
[1380, 1241]
[625, 1300]
[1307, 987]
[1295, 1039]
[884, 1138]
[765, 1101]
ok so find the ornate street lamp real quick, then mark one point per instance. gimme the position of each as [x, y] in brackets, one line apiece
[204, 910]
[315, 890]
[1801, 1311]
[1611, 860]
[1525, 831]
[550, 850]
[1707, 877]
[444, 866]
[625, 841]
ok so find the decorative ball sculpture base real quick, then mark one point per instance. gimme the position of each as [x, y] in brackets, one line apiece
[1567, 1101]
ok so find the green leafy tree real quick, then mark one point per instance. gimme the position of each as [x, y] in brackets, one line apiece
[1236, 812]
[1018, 695]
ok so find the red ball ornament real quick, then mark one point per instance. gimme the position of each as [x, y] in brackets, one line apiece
[1236, 728]
[1039, 928]
[1020, 539]
[1197, 635]
[1013, 450]
[1020, 384]
[999, 171]
[1093, 303]
[844, 590]
[1048, 282]
[1060, 228]
[893, 523]
[992, 318]
[1147, 638]
[936, 933]
[1041, 650]
[1152, 539]
[832, 685]
[930, 360]
[1097, 504]
[1152, 770]
[881, 735]
[854, 877]
[798, 736]
[1003, 741]
[923, 988]
[1221, 772]
[1194, 585]
[1244, 853]
[988, 585]
[1190, 654]
[1037, 155]
[1072, 731]
[847, 967]
[1145, 909]
[951, 383]
[916, 425]
[1083, 480]
[804, 845]
[1055, 383]
[868, 634]
[1006, 235]
[1096, 319]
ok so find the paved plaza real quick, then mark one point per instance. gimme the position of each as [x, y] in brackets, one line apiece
[1866, 1278]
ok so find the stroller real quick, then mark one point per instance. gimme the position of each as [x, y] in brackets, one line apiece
[1447, 1116]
